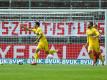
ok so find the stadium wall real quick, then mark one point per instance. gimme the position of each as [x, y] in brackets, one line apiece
[13, 46]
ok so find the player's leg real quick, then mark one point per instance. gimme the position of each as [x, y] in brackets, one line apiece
[96, 57]
[102, 58]
[36, 54]
[92, 54]
[53, 51]
[47, 50]
[100, 54]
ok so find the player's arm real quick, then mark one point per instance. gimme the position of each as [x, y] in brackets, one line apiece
[27, 29]
[38, 38]
[97, 33]
[86, 44]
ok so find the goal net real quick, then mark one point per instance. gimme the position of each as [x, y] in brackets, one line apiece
[65, 30]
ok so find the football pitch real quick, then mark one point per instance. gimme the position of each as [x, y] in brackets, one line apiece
[52, 72]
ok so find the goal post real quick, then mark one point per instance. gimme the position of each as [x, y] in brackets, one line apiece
[64, 28]
[106, 35]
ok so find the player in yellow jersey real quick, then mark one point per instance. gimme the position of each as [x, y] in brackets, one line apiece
[93, 42]
[41, 40]
[101, 56]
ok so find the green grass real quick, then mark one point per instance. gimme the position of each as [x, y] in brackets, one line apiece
[52, 72]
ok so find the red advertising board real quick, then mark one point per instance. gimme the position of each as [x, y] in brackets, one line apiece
[66, 51]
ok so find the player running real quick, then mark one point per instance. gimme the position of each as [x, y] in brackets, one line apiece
[41, 40]
[93, 42]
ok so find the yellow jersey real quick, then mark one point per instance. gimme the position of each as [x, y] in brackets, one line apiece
[39, 32]
[92, 41]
